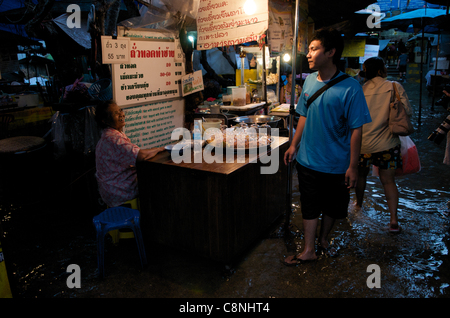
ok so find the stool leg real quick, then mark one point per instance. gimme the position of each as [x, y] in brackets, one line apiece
[100, 250]
[140, 243]
[115, 235]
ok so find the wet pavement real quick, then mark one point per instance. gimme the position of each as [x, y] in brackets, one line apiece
[50, 227]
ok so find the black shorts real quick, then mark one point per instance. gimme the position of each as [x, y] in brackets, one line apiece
[390, 159]
[402, 68]
[322, 193]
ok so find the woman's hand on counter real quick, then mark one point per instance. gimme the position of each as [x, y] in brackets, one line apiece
[147, 154]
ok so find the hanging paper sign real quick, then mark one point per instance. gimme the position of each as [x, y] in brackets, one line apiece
[369, 51]
[225, 23]
[115, 50]
[280, 34]
[354, 48]
[192, 83]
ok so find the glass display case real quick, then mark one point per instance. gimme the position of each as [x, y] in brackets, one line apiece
[259, 87]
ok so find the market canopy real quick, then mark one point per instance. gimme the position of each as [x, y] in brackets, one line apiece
[417, 17]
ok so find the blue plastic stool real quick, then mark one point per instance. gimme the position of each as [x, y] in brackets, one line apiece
[117, 218]
[117, 235]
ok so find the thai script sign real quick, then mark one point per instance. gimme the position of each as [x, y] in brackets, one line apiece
[230, 22]
[152, 74]
[192, 83]
[115, 50]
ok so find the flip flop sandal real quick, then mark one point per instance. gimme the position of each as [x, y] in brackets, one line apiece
[298, 261]
[395, 230]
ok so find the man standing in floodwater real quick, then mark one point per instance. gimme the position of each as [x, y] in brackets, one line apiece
[329, 135]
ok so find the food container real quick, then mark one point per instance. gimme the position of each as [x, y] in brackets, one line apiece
[272, 121]
[215, 109]
[239, 96]
[212, 123]
[230, 89]
[227, 98]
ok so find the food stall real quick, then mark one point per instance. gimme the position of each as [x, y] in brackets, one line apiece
[197, 205]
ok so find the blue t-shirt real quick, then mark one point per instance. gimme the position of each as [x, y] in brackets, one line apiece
[403, 59]
[325, 143]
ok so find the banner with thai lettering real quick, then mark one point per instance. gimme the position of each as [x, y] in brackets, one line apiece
[230, 22]
[151, 125]
[152, 74]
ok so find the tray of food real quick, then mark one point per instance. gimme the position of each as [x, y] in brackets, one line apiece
[239, 141]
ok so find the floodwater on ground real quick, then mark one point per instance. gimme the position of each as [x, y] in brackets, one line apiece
[44, 236]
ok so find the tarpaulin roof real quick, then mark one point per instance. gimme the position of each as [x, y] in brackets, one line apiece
[426, 16]
[416, 14]
[79, 35]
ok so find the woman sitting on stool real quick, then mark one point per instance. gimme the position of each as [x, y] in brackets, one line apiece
[116, 157]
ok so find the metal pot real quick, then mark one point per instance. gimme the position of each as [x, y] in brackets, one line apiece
[230, 117]
[259, 119]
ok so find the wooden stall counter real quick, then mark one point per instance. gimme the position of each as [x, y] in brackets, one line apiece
[216, 210]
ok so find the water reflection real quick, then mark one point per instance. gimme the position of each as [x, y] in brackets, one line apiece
[415, 256]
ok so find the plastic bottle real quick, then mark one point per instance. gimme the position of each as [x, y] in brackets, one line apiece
[197, 137]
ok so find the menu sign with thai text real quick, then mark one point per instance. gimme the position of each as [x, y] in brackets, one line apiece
[115, 50]
[152, 74]
[151, 125]
[230, 22]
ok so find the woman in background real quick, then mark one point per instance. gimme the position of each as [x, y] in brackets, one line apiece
[379, 146]
[285, 95]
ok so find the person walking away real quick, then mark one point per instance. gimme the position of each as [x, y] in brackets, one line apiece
[379, 146]
[329, 136]
[401, 65]
[392, 53]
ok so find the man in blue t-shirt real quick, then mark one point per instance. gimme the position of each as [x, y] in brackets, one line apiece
[329, 134]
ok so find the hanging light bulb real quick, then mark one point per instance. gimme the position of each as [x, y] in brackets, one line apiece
[286, 57]
[192, 40]
[249, 7]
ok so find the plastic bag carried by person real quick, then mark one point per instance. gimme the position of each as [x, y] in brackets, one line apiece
[410, 158]
[410, 155]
